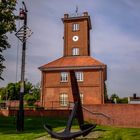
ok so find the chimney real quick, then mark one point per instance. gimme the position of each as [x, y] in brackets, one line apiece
[85, 13]
[134, 96]
[66, 15]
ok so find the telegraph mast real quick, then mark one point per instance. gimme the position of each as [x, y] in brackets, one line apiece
[23, 34]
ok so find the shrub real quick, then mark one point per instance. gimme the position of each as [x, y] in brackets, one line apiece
[30, 99]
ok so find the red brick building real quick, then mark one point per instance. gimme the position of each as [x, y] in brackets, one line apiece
[90, 73]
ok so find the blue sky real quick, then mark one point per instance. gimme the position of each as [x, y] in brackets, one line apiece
[115, 40]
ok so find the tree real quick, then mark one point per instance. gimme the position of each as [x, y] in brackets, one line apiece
[3, 93]
[11, 91]
[28, 87]
[33, 94]
[36, 91]
[105, 94]
[7, 24]
[114, 97]
[123, 100]
[30, 99]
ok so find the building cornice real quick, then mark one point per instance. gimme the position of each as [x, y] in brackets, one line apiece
[82, 17]
[72, 68]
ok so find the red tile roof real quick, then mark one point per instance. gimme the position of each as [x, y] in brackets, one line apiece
[72, 61]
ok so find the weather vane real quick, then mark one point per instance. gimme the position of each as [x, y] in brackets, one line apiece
[76, 11]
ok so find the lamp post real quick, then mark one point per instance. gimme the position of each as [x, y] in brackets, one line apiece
[21, 34]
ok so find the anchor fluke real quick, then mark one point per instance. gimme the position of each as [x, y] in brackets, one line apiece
[67, 134]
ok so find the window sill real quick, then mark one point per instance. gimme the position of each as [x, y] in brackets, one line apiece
[63, 81]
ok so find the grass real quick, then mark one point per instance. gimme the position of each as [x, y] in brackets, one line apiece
[34, 129]
[8, 129]
[117, 133]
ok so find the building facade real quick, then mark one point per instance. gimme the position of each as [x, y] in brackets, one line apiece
[90, 73]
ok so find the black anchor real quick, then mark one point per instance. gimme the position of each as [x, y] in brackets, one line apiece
[77, 112]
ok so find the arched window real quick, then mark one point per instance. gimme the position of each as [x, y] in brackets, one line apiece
[75, 51]
[63, 99]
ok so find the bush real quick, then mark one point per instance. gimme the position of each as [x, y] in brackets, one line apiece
[30, 99]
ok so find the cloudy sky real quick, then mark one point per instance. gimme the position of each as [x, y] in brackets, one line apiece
[115, 40]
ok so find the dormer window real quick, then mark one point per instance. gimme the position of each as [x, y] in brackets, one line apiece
[75, 27]
[75, 51]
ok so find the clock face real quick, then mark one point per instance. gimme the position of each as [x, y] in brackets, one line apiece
[75, 38]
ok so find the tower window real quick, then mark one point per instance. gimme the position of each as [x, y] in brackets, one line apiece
[64, 77]
[79, 76]
[75, 51]
[63, 99]
[75, 27]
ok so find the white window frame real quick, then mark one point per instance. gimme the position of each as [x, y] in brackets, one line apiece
[64, 76]
[75, 27]
[79, 76]
[75, 51]
[63, 99]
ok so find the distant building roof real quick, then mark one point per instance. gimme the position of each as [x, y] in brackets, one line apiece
[134, 99]
[73, 62]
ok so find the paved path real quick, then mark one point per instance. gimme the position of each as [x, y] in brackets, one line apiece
[91, 136]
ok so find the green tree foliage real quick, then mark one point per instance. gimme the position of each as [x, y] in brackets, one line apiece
[2, 93]
[30, 99]
[123, 100]
[113, 97]
[28, 87]
[36, 91]
[118, 99]
[11, 91]
[7, 24]
[33, 93]
[105, 94]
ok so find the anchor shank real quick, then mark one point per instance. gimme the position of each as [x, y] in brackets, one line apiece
[71, 117]
[76, 97]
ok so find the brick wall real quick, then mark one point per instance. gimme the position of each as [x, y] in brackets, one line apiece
[83, 34]
[41, 113]
[125, 115]
[15, 103]
[91, 88]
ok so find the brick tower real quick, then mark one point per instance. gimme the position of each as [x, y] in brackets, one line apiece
[90, 73]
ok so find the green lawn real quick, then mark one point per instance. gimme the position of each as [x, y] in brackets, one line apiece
[116, 133]
[34, 129]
